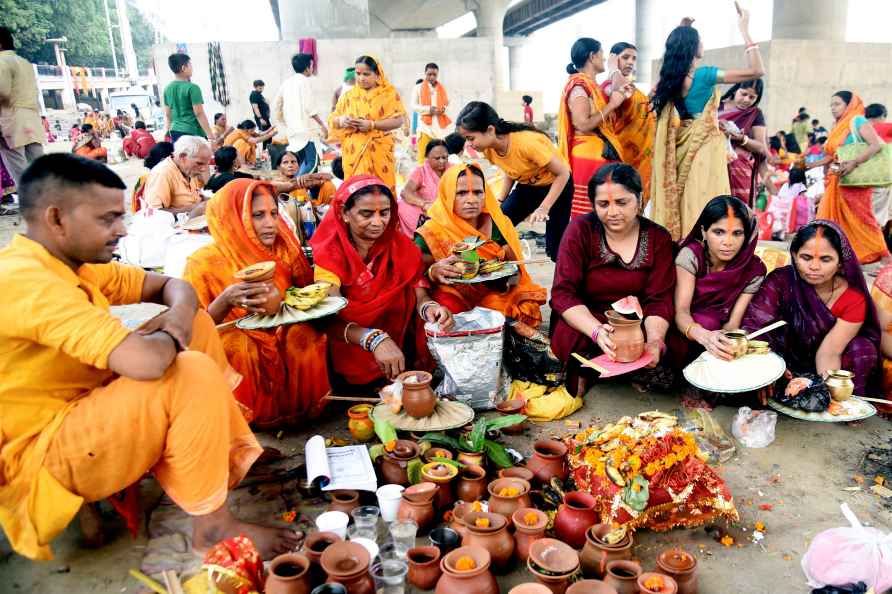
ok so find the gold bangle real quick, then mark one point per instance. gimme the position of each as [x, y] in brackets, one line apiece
[687, 332]
[346, 328]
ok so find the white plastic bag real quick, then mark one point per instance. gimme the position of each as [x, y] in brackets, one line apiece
[146, 242]
[856, 553]
[754, 428]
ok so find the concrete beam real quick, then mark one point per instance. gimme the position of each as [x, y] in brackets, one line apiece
[815, 19]
[490, 17]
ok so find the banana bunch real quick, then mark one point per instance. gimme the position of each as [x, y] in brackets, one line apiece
[306, 297]
[487, 266]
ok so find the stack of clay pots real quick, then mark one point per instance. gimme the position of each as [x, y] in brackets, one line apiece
[553, 563]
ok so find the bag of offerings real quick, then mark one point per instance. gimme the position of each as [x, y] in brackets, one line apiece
[806, 391]
[470, 354]
[528, 356]
[648, 472]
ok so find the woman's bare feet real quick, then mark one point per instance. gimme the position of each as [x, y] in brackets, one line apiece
[270, 540]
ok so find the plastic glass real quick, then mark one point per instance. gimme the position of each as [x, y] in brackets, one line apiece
[389, 497]
[333, 521]
[403, 533]
[366, 516]
[368, 533]
[389, 576]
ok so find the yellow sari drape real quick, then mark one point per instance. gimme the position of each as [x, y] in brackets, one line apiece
[445, 228]
[368, 152]
[634, 126]
[690, 167]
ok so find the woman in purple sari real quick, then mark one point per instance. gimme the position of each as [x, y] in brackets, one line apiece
[831, 320]
[748, 136]
[717, 273]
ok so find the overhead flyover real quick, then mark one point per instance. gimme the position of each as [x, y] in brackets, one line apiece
[532, 15]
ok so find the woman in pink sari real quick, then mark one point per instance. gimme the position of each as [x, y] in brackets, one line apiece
[420, 190]
[748, 136]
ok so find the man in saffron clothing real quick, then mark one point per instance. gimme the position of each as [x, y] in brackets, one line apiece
[284, 369]
[89, 406]
[429, 101]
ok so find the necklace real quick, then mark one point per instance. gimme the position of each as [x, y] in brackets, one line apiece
[830, 296]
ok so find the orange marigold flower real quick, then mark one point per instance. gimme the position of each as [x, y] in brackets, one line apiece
[465, 563]
[481, 522]
[530, 518]
[670, 461]
[759, 526]
[476, 506]
[289, 516]
[580, 437]
[634, 463]
[388, 447]
[509, 492]
[651, 469]
[727, 540]
[655, 583]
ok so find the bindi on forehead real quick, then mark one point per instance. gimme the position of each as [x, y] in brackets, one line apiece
[729, 220]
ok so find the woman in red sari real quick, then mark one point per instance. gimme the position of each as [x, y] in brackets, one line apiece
[605, 256]
[585, 134]
[748, 135]
[360, 250]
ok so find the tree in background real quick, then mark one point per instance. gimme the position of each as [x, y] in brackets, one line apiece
[82, 22]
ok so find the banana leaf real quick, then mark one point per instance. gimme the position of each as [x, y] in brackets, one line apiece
[448, 461]
[443, 439]
[504, 421]
[413, 471]
[385, 432]
[376, 451]
[477, 437]
[497, 453]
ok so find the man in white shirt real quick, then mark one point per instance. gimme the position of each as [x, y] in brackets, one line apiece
[21, 130]
[430, 101]
[294, 108]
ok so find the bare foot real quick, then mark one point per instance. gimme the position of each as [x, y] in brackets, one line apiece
[270, 540]
[91, 526]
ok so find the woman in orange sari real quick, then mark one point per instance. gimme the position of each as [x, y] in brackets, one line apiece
[362, 121]
[284, 369]
[585, 134]
[851, 207]
[245, 140]
[881, 292]
[465, 207]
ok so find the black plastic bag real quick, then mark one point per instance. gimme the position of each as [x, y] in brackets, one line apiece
[859, 588]
[528, 356]
[815, 398]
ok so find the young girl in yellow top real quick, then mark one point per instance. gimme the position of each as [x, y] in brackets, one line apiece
[537, 175]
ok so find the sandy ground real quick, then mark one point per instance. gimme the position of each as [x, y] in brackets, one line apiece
[803, 475]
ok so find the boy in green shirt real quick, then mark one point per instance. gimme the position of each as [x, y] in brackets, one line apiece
[183, 105]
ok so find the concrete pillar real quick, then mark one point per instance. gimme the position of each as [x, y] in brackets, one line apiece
[824, 20]
[323, 19]
[514, 45]
[127, 41]
[490, 16]
[647, 39]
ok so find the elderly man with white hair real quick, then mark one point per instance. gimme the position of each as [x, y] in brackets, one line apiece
[174, 183]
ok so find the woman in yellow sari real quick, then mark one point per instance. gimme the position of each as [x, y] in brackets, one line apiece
[362, 121]
[690, 150]
[284, 369]
[245, 140]
[466, 207]
[585, 132]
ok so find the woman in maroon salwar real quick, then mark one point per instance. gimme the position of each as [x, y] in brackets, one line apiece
[604, 256]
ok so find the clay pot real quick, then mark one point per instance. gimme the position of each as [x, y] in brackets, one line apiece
[622, 576]
[343, 501]
[517, 472]
[548, 460]
[495, 538]
[471, 458]
[288, 574]
[424, 567]
[512, 407]
[553, 557]
[347, 563]
[680, 566]
[526, 534]
[394, 464]
[419, 400]
[417, 505]
[574, 517]
[361, 427]
[442, 475]
[477, 581]
[471, 483]
[597, 553]
[257, 273]
[530, 588]
[436, 452]
[590, 587]
[314, 546]
[668, 584]
[445, 538]
[627, 335]
[508, 504]
[556, 584]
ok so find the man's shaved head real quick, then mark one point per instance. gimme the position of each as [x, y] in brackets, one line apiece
[46, 181]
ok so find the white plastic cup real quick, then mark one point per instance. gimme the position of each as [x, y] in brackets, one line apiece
[389, 497]
[333, 521]
[370, 545]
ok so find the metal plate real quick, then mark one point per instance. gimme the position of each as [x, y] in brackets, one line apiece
[291, 315]
[857, 409]
[509, 269]
[769, 369]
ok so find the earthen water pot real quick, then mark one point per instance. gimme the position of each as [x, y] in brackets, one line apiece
[682, 567]
[288, 574]
[507, 504]
[471, 483]
[443, 476]
[548, 460]
[417, 505]
[478, 580]
[627, 336]
[512, 407]
[590, 587]
[520, 472]
[526, 533]
[530, 588]
[458, 518]
[347, 563]
[436, 452]
[419, 400]
[495, 538]
[574, 517]
[557, 584]
[361, 427]
[471, 458]
[314, 546]
[666, 584]
[622, 576]
[597, 553]
[343, 500]
[424, 567]
[394, 464]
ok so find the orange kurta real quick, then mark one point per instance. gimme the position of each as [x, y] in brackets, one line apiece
[238, 139]
[368, 152]
[56, 335]
[284, 369]
[445, 229]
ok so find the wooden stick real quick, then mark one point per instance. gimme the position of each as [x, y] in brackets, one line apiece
[352, 399]
[148, 582]
[228, 325]
[877, 400]
[586, 363]
[530, 261]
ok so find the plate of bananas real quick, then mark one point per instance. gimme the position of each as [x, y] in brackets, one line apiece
[490, 270]
[300, 304]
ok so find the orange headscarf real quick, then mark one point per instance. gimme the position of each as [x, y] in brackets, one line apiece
[843, 126]
[442, 101]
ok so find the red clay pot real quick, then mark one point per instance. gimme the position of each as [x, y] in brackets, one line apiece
[548, 460]
[419, 400]
[574, 517]
[424, 567]
[475, 581]
[343, 501]
[288, 574]
[471, 483]
[622, 576]
[314, 546]
[517, 472]
[508, 504]
[682, 567]
[590, 587]
[526, 534]
[347, 563]
[419, 508]
[495, 538]
[596, 553]
[394, 464]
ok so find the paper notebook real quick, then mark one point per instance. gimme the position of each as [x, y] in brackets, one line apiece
[348, 467]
